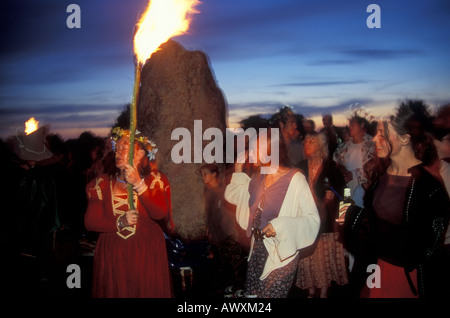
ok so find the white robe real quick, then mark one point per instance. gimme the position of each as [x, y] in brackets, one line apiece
[296, 226]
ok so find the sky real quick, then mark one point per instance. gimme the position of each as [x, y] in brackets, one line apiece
[316, 56]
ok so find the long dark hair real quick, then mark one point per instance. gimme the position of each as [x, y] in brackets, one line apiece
[413, 118]
[378, 166]
[283, 153]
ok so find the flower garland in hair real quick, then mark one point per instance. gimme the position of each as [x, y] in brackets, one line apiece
[282, 115]
[361, 111]
[148, 144]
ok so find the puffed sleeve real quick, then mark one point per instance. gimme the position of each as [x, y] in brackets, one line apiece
[156, 198]
[299, 222]
[237, 193]
[97, 219]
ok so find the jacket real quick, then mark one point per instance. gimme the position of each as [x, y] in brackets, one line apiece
[417, 242]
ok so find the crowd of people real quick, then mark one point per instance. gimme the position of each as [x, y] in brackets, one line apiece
[72, 196]
[396, 170]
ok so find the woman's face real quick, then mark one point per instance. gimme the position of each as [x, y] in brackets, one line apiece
[261, 152]
[207, 176]
[311, 146]
[122, 151]
[290, 128]
[355, 129]
[384, 140]
[443, 147]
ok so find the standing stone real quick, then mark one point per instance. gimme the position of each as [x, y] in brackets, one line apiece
[177, 87]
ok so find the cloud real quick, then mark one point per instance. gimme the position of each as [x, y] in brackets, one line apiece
[329, 62]
[244, 110]
[322, 83]
[60, 118]
[61, 109]
[382, 54]
[356, 56]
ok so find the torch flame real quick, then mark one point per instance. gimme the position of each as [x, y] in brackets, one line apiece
[162, 20]
[31, 125]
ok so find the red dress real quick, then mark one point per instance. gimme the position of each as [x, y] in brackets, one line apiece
[132, 262]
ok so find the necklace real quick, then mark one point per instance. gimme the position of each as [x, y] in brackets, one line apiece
[272, 178]
[120, 180]
[316, 165]
[314, 168]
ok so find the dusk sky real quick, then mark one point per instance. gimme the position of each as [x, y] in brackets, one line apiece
[314, 55]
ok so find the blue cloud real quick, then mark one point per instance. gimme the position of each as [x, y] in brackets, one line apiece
[323, 83]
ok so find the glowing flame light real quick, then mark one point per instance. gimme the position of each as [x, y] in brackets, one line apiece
[31, 125]
[162, 20]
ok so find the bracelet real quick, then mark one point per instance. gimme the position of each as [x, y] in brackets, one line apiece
[120, 225]
[140, 183]
[142, 189]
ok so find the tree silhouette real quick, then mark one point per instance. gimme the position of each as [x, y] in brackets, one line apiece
[123, 120]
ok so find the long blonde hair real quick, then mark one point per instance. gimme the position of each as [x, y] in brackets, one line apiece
[323, 142]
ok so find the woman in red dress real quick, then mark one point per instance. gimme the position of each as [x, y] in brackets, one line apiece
[130, 257]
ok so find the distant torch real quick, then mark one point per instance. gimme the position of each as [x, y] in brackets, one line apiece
[31, 125]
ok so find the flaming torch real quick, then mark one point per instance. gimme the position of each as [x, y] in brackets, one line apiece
[31, 125]
[162, 20]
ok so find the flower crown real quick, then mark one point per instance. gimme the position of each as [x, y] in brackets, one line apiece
[146, 143]
[361, 111]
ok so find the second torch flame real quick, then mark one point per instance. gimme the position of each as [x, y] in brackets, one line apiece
[31, 125]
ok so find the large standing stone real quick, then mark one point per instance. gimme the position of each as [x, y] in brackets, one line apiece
[177, 87]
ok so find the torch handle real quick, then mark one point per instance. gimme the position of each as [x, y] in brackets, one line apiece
[137, 81]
